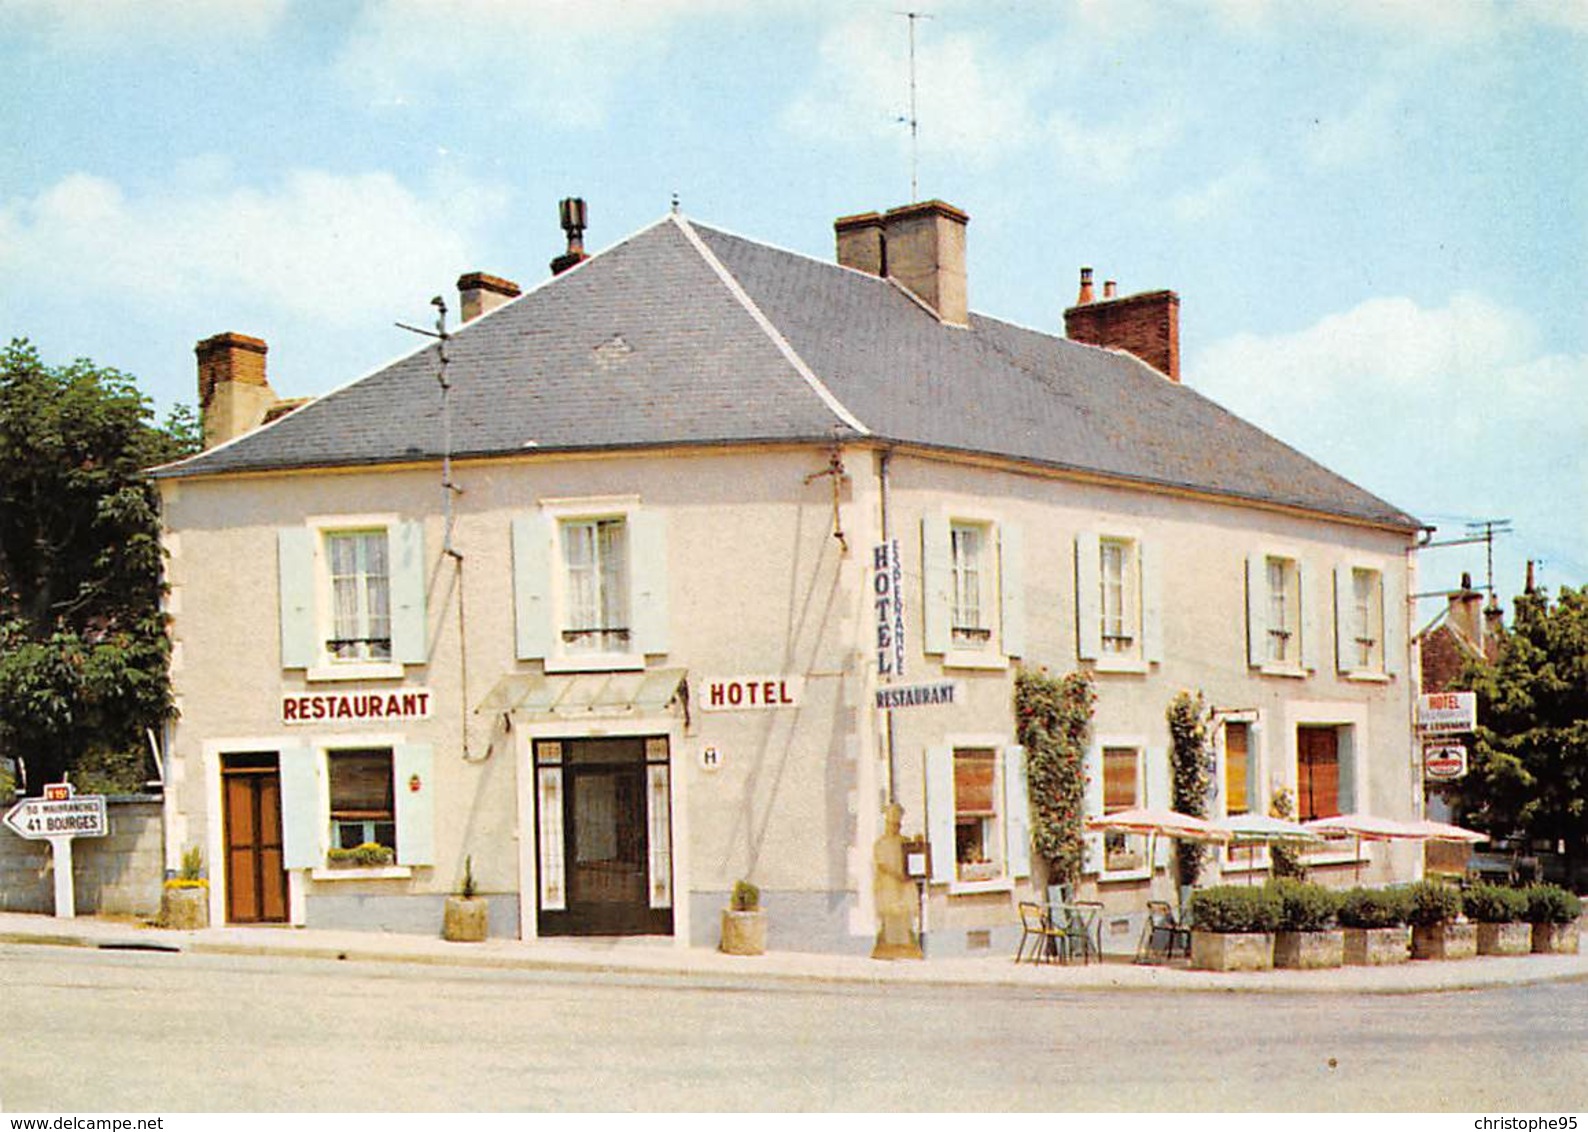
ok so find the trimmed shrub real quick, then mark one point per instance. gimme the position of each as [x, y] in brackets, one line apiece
[1374, 907]
[1305, 907]
[1495, 904]
[1550, 904]
[1228, 908]
[1432, 902]
[746, 897]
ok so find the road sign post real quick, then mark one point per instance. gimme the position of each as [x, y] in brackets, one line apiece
[58, 817]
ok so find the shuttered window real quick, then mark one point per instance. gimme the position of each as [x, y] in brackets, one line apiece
[1122, 791]
[1237, 767]
[363, 809]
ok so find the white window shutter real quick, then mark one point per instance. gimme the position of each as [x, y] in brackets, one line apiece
[1256, 608]
[305, 809]
[413, 785]
[1345, 750]
[1151, 603]
[532, 587]
[407, 558]
[1092, 843]
[300, 647]
[940, 812]
[1344, 603]
[936, 583]
[1311, 619]
[1017, 812]
[1393, 620]
[1088, 597]
[648, 584]
[1012, 587]
[1160, 793]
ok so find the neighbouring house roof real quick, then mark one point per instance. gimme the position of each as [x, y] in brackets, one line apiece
[686, 335]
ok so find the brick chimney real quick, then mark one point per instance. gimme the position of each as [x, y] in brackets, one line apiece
[481, 293]
[1146, 325]
[1466, 615]
[234, 394]
[919, 246]
[575, 218]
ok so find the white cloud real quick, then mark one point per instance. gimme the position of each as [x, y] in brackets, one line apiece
[112, 25]
[1223, 195]
[1358, 132]
[338, 250]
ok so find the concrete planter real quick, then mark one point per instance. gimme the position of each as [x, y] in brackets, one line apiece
[1555, 939]
[1232, 951]
[184, 909]
[465, 919]
[1444, 941]
[743, 933]
[1505, 939]
[1309, 950]
[1377, 947]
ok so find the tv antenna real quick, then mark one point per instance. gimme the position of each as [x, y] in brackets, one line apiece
[1478, 530]
[913, 120]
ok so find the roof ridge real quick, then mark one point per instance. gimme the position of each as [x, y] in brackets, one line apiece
[816, 384]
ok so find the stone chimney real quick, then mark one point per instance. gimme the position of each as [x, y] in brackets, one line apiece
[1466, 615]
[919, 246]
[481, 293]
[575, 217]
[234, 394]
[1146, 325]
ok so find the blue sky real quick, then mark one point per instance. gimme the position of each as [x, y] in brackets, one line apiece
[1375, 214]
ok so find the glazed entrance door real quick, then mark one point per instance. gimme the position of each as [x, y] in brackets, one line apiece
[256, 882]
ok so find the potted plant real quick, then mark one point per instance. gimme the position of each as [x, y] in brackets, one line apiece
[1501, 916]
[1374, 922]
[1232, 927]
[369, 855]
[1438, 929]
[185, 898]
[1308, 936]
[466, 916]
[1553, 913]
[744, 921]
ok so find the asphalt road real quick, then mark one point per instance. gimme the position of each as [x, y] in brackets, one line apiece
[137, 1032]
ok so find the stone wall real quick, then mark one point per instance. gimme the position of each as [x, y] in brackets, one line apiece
[117, 875]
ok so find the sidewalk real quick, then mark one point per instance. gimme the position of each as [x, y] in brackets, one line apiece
[652, 957]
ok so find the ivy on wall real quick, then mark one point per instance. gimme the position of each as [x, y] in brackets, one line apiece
[1053, 721]
[1191, 762]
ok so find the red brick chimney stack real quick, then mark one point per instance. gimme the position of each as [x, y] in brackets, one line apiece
[1085, 295]
[481, 293]
[1146, 325]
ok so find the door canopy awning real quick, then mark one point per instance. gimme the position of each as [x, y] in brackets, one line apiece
[589, 695]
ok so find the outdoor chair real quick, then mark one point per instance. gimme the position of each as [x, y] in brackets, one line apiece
[1162, 935]
[1047, 941]
[1083, 929]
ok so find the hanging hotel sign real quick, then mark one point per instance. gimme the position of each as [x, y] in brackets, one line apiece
[915, 695]
[750, 693]
[1447, 713]
[1444, 761]
[887, 599]
[348, 707]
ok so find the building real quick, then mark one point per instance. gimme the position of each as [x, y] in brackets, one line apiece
[593, 609]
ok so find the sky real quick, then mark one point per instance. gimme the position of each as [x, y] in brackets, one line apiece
[1375, 213]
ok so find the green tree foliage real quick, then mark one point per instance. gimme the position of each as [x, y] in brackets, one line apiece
[1191, 762]
[1053, 720]
[1529, 765]
[83, 649]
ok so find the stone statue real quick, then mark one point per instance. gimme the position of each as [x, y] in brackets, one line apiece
[894, 892]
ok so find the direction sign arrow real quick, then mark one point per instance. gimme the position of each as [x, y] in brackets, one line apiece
[38, 819]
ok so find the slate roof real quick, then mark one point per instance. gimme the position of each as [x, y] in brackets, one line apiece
[685, 335]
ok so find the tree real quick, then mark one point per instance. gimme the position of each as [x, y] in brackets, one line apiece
[1529, 765]
[1191, 761]
[1053, 719]
[83, 648]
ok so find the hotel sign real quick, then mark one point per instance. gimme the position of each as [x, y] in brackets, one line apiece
[1447, 713]
[750, 693]
[402, 704]
[887, 599]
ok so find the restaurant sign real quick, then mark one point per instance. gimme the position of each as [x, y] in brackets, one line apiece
[1443, 762]
[356, 707]
[1447, 712]
[915, 695]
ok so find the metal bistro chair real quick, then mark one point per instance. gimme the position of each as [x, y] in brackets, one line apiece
[1083, 929]
[1162, 935]
[1036, 925]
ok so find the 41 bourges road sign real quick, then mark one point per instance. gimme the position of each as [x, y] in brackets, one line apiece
[41, 818]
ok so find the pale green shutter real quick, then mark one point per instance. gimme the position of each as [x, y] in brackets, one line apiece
[305, 810]
[1088, 597]
[1345, 751]
[937, 580]
[1343, 605]
[1393, 621]
[407, 558]
[1310, 620]
[1256, 608]
[532, 587]
[295, 565]
[1159, 791]
[940, 812]
[1017, 812]
[1092, 843]
[648, 585]
[413, 783]
[1151, 603]
[1012, 587]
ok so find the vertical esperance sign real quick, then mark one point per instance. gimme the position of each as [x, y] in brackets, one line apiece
[887, 596]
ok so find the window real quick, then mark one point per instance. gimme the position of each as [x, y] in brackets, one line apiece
[968, 544]
[1359, 610]
[1118, 596]
[360, 621]
[596, 614]
[977, 839]
[1238, 778]
[1282, 642]
[1122, 791]
[363, 809]
[1318, 777]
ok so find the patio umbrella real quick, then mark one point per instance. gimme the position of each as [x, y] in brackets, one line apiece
[1262, 829]
[1151, 822]
[1367, 827]
[1444, 831]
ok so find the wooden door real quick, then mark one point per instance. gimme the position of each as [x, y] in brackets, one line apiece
[256, 881]
[1317, 773]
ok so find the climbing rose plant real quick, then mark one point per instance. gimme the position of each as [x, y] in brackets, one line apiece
[1191, 762]
[1053, 720]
